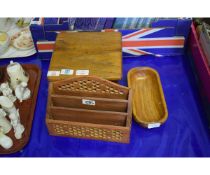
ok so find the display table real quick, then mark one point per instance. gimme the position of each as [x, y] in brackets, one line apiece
[184, 134]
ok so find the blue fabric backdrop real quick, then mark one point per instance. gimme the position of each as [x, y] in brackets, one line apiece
[184, 134]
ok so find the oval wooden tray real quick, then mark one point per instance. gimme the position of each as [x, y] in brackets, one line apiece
[26, 108]
[149, 106]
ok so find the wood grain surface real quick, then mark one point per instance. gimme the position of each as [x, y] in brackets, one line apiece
[89, 116]
[98, 52]
[149, 104]
[100, 103]
[108, 118]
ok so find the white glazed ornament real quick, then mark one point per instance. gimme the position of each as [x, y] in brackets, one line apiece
[6, 103]
[22, 92]
[5, 141]
[7, 91]
[18, 127]
[14, 116]
[16, 74]
[4, 123]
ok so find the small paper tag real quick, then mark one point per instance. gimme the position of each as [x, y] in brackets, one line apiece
[67, 72]
[53, 73]
[88, 102]
[82, 72]
[154, 125]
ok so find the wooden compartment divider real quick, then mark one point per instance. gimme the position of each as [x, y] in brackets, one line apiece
[89, 107]
[100, 103]
[89, 116]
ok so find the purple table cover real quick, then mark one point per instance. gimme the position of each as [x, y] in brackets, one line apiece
[185, 133]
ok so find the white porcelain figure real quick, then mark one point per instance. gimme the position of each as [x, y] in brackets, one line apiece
[5, 141]
[6, 103]
[14, 116]
[18, 127]
[16, 74]
[22, 92]
[7, 91]
[4, 123]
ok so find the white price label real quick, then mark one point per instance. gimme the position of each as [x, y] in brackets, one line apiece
[88, 102]
[67, 72]
[154, 125]
[53, 73]
[82, 72]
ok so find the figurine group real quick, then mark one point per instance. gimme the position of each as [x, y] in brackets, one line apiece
[17, 84]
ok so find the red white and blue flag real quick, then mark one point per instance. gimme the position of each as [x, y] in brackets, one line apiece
[146, 41]
[151, 41]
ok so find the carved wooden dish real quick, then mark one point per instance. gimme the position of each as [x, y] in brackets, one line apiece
[149, 106]
[26, 108]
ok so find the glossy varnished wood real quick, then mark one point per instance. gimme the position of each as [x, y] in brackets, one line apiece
[98, 52]
[149, 104]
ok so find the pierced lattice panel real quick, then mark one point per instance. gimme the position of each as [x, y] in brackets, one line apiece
[88, 132]
[91, 86]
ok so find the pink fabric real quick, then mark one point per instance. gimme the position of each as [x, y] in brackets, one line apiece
[200, 62]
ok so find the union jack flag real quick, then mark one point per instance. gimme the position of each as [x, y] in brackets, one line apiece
[146, 41]
[151, 41]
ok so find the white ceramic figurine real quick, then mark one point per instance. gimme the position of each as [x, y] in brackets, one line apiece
[6, 103]
[18, 127]
[5, 141]
[4, 123]
[7, 91]
[22, 92]
[14, 116]
[16, 74]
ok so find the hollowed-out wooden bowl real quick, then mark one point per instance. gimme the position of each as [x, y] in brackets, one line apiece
[149, 106]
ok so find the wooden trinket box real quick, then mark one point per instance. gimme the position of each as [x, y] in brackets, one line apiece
[97, 53]
[89, 107]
